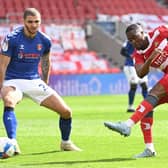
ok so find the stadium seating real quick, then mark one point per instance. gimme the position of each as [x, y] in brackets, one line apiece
[81, 10]
[69, 51]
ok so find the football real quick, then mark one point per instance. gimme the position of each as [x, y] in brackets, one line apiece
[7, 148]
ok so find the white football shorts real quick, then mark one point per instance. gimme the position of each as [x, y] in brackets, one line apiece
[132, 77]
[36, 89]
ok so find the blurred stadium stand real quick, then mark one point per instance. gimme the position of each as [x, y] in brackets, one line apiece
[80, 10]
[87, 34]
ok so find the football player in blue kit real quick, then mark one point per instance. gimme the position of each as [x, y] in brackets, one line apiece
[21, 52]
[131, 75]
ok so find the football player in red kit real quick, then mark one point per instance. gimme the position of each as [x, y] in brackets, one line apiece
[151, 51]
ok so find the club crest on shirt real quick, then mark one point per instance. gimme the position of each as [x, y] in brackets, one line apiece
[4, 45]
[39, 47]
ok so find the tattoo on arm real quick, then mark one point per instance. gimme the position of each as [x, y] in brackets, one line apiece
[45, 66]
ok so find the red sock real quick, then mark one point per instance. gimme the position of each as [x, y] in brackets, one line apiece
[141, 111]
[146, 128]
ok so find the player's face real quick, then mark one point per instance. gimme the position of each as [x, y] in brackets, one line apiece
[31, 24]
[137, 39]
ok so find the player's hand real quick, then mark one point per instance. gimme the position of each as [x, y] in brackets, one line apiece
[46, 81]
[0, 87]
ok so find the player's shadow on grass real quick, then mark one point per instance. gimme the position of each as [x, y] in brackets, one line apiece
[42, 153]
[82, 161]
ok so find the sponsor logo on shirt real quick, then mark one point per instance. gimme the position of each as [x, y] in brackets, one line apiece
[159, 60]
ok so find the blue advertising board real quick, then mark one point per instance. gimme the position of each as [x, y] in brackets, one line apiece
[95, 84]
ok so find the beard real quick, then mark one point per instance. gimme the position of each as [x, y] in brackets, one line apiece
[31, 32]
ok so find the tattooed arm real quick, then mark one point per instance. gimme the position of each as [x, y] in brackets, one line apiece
[45, 66]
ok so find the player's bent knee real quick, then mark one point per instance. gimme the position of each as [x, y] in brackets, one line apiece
[8, 101]
[10, 96]
[66, 113]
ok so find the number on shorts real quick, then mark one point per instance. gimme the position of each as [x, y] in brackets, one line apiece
[43, 86]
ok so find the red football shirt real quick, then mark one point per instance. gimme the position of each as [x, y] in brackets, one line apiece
[157, 39]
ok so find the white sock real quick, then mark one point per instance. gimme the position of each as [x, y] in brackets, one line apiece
[68, 141]
[150, 146]
[131, 106]
[129, 123]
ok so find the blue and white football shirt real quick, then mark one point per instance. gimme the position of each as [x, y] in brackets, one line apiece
[25, 53]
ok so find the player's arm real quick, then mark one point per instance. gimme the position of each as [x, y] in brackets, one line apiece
[45, 67]
[142, 69]
[124, 50]
[4, 61]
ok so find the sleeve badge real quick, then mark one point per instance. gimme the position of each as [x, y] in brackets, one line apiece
[4, 45]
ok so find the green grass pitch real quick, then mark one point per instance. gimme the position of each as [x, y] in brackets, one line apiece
[39, 137]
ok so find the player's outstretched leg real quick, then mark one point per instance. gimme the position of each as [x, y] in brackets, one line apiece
[119, 127]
